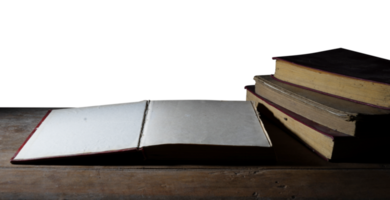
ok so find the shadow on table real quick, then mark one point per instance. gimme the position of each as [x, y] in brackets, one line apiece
[135, 158]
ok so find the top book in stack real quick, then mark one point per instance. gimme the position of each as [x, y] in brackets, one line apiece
[339, 72]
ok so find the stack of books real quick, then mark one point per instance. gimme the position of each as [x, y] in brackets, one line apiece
[337, 102]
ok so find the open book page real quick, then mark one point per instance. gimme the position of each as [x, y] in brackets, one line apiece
[203, 122]
[67, 132]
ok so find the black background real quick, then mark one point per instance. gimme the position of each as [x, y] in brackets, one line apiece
[76, 57]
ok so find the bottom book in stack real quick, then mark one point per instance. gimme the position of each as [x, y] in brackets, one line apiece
[329, 144]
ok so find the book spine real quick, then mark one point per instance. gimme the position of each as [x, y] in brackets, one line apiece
[148, 103]
[142, 127]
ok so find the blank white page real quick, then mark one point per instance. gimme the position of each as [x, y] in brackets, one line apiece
[67, 132]
[203, 122]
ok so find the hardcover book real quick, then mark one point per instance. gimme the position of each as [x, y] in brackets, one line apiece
[328, 143]
[159, 130]
[335, 113]
[341, 72]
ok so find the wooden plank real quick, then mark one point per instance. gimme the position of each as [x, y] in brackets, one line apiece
[25, 183]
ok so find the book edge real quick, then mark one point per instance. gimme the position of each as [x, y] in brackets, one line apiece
[339, 113]
[332, 95]
[283, 110]
[261, 124]
[304, 143]
[17, 161]
[350, 77]
[31, 134]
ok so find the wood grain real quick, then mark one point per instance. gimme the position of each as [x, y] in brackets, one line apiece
[212, 183]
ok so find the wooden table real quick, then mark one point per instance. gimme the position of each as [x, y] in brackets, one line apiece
[298, 174]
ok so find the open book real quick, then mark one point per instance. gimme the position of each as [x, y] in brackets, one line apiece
[160, 130]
